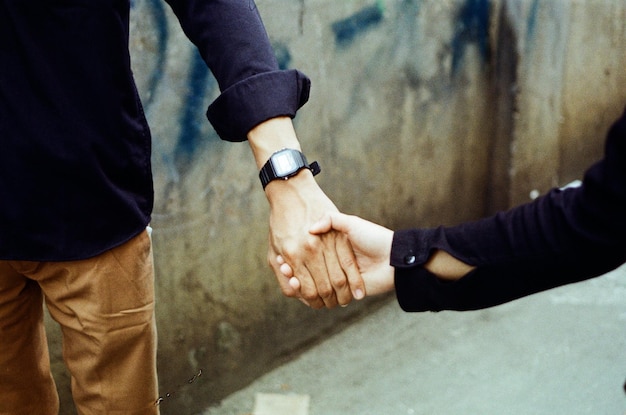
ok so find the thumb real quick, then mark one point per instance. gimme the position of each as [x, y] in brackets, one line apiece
[323, 225]
[331, 221]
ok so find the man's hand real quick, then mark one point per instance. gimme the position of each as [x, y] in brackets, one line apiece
[324, 264]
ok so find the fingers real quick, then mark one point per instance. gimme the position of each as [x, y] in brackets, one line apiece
[295, 283]
[343, 223]
[284, 268]
[323, 271]
[323, 225]
[334, 221]
[315, 273]
[276, 262]
[350, 268]
[320, 282]
[287, 272]
[345, 278]
[290, 286]
[338, 279]
[304, 291]
[341, 264]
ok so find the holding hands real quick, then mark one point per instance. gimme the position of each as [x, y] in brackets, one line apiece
[371, 244]
[321, 256]
[324, 263]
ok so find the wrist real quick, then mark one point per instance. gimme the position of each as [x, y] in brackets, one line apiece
[302, 183]
[446, 267]
[285, 164]
[271, 136]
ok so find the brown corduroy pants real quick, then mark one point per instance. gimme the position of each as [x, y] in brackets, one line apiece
[105, 307]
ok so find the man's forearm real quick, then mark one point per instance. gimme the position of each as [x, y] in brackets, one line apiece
[266, 139]
[270, 136]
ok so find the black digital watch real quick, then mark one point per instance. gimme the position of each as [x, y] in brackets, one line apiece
[284, 164]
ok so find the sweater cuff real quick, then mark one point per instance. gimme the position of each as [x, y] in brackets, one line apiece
[256, 99]
[417, 290]
[410, 248]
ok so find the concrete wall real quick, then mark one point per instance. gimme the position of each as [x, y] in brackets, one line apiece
[422, 112]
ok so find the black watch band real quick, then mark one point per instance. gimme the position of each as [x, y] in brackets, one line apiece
[284, 164]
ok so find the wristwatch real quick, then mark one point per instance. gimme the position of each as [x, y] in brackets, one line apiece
[284, 164]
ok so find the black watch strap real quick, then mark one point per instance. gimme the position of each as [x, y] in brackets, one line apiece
[284, 164]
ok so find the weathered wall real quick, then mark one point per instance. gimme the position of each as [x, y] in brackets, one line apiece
[422, 112]
[570, 86]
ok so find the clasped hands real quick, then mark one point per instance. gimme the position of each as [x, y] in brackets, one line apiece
[354, 255]
[319, 256]
[344, 258]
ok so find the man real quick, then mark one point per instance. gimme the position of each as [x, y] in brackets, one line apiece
[76, 191]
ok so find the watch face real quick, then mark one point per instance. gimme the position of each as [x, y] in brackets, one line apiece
[284, 163]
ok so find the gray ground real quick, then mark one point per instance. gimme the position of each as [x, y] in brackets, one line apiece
[558, 352]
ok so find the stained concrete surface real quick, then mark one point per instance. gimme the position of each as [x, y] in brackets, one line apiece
[478, 101]
[558, 352]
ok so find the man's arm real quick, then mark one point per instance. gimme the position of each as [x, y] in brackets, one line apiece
[256, 103]
[324, 264]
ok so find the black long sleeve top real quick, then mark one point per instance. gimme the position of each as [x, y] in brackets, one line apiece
[563, 237]
[75, 173]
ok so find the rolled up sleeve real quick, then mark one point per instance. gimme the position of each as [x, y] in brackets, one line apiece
[258, 98]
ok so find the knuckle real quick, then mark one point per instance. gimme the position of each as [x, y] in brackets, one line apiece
[309, 294]
[347, 262]
[289, 250]
[306, 247]
[340, 282]
[311, 244]
[326, 292]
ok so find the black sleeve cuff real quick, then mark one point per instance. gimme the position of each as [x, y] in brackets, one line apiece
[411, 247]
[256, 99]
[419, 290]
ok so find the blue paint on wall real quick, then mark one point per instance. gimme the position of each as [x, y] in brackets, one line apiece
[283, 56]
[346, 30]
[199, 85]
[533, 16]
[160, 19]
[472, 28]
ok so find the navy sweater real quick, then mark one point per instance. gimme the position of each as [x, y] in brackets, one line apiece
[75, 173]
[563, 237]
